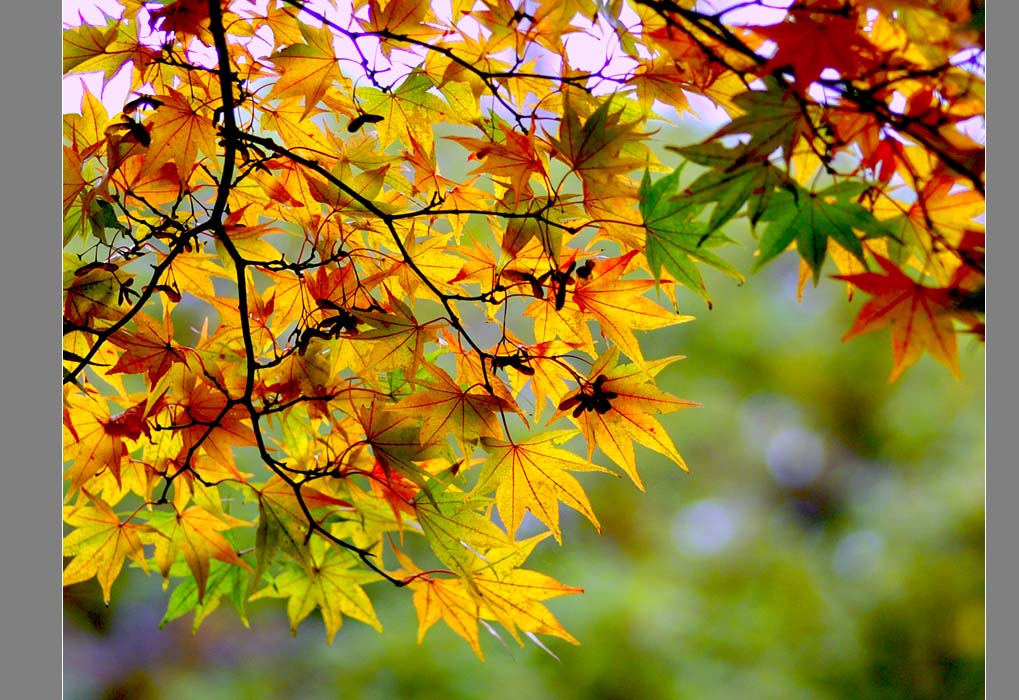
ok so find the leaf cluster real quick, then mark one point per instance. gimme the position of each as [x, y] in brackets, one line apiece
[266, 256]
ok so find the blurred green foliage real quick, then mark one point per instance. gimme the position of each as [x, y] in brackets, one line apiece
[827, 543]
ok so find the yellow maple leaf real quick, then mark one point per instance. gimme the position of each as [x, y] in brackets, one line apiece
[533, 475]
[307, 70]
[100, 543]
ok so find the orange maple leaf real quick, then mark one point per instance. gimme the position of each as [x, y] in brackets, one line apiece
[401, 17]
[195, 533]
[178, 133]
[101, 442]
[494, 588]
[616, 408]
[150, 348]
[920, 316]
[446, 408]
[618, 306]
[307, 70]
[207, 418]
[516, 158]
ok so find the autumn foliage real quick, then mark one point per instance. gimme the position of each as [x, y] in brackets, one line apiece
[353, 290]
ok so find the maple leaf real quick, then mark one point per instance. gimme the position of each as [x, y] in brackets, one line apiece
[331, 582]
[533, 475]
[408, 110]
[196, 534]
[249, 238]
[135, 182]
[224, 581]
[618, 306]
[149, 349]
[811, 41]
[674, 239]
[178, 132]
[86, 131]
[496, 588]
[368, 184]
[311, 374]
[101, 442]
[516, 159]
[935, 223]
[396, 441]
[431, 259]
[403, 17]
[100, 543]
[447, 409]
[307, 70]
[810, 218]
[541, 219]
[920, 317]
[771, 120]
[448, 600]
[208, 420]
[88, 48]
[193, 273]
[87, 44]
[683, 63]
[513, 596]
[426, 168]
[735, 178]
[283, 523]
[595, 149]
[456, 528]
[397, 490]
[548, 372]
[616, 407]
[393, 340]
[565, 321]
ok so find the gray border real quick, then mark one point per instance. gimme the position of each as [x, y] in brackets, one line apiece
[1002, 380]
[30, 597]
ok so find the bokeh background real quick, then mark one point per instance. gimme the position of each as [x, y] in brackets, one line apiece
[828, 542]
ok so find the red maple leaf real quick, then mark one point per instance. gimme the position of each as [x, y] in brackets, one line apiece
[809, 42]
[920, 316]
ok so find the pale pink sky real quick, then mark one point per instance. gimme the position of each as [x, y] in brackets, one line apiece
[586, 51]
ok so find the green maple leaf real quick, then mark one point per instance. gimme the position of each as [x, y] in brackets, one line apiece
[674, 239]
[597, 149]
[811, 218]
[735, 179]
[456, 529]
[224, 580]
[408, 111]
[331, 582]
[772, 120]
